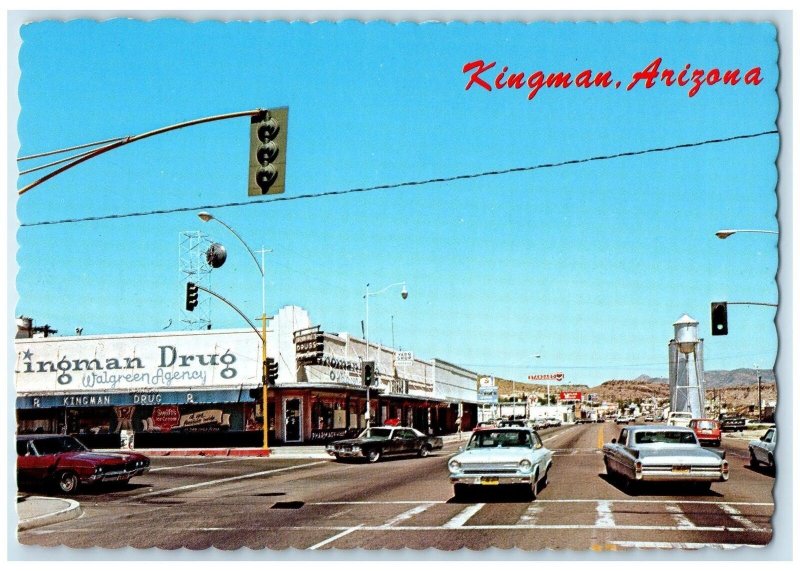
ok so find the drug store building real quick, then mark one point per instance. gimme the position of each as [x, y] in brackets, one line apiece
[203, 388]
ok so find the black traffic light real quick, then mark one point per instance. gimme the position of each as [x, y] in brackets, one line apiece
[368, 373]
[719, 318]
[268, 152]
[272, 371]
[191, 296]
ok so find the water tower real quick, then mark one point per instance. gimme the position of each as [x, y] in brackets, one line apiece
[686, 379]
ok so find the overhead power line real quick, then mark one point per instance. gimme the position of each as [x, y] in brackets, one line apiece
[403, 184]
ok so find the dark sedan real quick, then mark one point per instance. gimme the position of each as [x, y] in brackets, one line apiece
[375, 443]
[66, 462]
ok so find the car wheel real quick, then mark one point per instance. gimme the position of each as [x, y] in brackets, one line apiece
[534, 491]
[460, 491]
[425, 451]
[771, 462]
[545, 480]
[373, 456]
[68, 482]
[753, 460]
[338, 457]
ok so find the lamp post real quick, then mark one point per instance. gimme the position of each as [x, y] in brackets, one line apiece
[367, 295]
[722, 234]
[206, 217]
[758, 375]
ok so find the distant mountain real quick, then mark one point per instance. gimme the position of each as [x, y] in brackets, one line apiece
[722, 379]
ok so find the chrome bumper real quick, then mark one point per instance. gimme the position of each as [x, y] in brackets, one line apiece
[116, 476]
[345, 453]
[489, 479]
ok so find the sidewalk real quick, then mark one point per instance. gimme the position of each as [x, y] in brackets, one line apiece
[36, 511]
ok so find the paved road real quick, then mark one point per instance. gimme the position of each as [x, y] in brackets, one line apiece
[408, 502]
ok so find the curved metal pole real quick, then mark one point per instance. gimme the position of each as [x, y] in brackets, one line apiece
[235, 233]
[236, 309]
[722, 234]
[135, 138]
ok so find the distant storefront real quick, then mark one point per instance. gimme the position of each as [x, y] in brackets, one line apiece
[203, 388]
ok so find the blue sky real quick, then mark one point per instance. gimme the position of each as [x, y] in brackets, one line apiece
[587, 265]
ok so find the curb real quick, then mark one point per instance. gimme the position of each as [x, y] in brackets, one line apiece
[71, 511]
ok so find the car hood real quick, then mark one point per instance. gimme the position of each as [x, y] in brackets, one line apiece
[484, 455]
[357, 441]
[105, 457]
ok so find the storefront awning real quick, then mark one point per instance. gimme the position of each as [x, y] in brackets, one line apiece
[183, 397]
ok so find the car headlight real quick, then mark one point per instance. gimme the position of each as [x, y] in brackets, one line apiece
[356, 448]
[525, 465]
[98, 470]
[454, 465]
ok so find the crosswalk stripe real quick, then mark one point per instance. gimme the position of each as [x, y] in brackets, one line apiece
[407, 515]
[737, 516]
[460, 519]
[605, 518]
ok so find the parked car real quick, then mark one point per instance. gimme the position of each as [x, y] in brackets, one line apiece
[763, 449]
[732, 423]
[501, 457]
[658, 453]
[511, 422]
[375, 443]
[64, 461]
[553, 421]
[679, 418]
[707, 430]
[537, 424]
[624, 419]
[648, 418]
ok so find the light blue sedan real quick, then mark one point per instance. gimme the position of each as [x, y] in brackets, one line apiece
[501, 457]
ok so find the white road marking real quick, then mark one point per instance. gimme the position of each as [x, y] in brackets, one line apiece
[460, 519]
[604, 516]
[530, 515]
[540, 501]
[679, 517]
[737, 516]
[407, 515]
[334, 538]
[669, 545]
[238, 459]
[718, 528]
[222, 481]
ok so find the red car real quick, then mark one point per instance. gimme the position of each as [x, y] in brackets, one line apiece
[707, 430]
[67, 463]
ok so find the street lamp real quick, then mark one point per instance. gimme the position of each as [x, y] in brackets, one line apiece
[206, 217]
[367, 295]
[722, 234]
[758, 374]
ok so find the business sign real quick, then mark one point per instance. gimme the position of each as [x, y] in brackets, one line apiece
[487, 395]
[486, 381]
[136, 363]
[547, 377]
[570, 395]
[404, 358]
[593, 397]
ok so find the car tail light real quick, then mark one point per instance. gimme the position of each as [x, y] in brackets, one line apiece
[637, 468]
[725, 469]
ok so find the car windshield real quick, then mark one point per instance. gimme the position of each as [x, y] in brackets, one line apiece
[58, 444]
[376, 433]
[501, 439]
[706, 424]
[664, 437]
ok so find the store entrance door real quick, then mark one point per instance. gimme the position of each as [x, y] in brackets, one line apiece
[293, 420]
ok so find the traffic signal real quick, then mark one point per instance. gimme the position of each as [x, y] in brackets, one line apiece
[268, 132]
[368, 373]
[272, 371]
[256, 394]
[719, 318]
[191, 296]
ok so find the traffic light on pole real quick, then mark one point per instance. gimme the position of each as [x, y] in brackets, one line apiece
[191, 296]
[368, 373]
[719, 318]
[268, 132]
[272, 371]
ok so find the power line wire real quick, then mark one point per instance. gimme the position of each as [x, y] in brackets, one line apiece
[403, 184]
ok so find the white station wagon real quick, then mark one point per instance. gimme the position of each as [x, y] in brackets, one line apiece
[501, 457]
